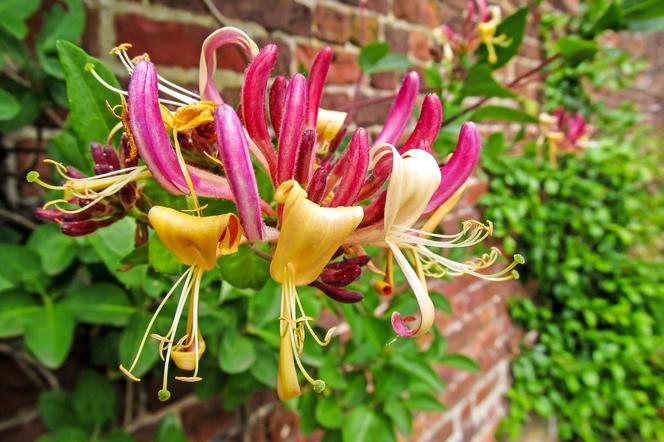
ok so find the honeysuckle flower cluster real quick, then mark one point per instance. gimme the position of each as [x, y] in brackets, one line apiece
[563, 132]
[326, 207]
[479, 28]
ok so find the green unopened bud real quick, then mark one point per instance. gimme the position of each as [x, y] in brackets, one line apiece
[319, 385]
[164, 395]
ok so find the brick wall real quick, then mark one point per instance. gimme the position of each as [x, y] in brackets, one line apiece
[172, 32]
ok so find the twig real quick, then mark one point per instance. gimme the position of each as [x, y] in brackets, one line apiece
[19, 419]
[18, 219]
[153, 418]
[215, 12]
[19, 355]
[260, 253]
[510, 85]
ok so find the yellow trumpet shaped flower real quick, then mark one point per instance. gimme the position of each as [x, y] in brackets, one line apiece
[328, 125]
[196, 241]
[310, 235]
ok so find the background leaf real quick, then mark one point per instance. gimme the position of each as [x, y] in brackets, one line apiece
[49, 334]
[101, 303]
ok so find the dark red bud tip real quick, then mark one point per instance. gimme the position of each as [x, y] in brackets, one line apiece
[79, 228]
[338, 294]
[74, 172]
[355, 261]
[341, 277]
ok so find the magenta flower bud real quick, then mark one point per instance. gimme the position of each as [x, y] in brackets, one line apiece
[52, 215]
[80, 228]
[318, 183]
[253, 103]
[277, 100]
[128, 196]
[355, 163]
[234, 152]
[112, 158]
[74, 172]
[401, 109]
[153, 144]
[317, 75]
[337, 293]
[291, 127]
[336, 142]
[576, 127]
[375, 211]
[98, 158]
[427, 127]
[459, 167]
[341, 277]
[305, 157]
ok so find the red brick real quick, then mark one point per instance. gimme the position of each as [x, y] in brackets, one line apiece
[365, 29]
[385, 80]
[474, 192]
[343, 70]
[419, 44]
[197, 7]
[398, 39]
[332, 24]
[168, 43]
[423, 12]
[374, 5]
[205, 420]
[445, 432]
[372, 114]
[283, 59]
[286, 15]
[91, 32]
[459, 390]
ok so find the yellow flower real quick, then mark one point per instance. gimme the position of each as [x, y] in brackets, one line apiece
[197, 242]
[310, 235]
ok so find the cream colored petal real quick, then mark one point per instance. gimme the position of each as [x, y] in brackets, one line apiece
[414, 179]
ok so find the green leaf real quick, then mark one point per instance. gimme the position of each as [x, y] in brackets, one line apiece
[514, 28]
[575, 49]
[644, 15]
[112, 244]
[371, 54]
[59, 24]
[424, 402]
[16, 307]
[480, 83]
[49, 333]
[14, 13]
[357, 425]
[19, 264]
[264, 369]
[501, 113]
[65, 147]
[391, 62]
[420, 370]
[130, 342]
[90, 118]
[328, 412]
[457, 360]
[101, 303]
[56, 410]
[95, 400]
[400, 415]
[244, 269]
[264, 305]
[236, 353]
[57, 251]
[161, 259]
[170, 431]
[9, 106]
[67, 434]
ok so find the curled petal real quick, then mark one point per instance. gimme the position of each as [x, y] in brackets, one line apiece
[426, 307]
[375, 211]
[355, 169]
[196, 240]
[400, 110]
[153, 144]
[234, 152]
[428, 125]
[208, 63]
[310, 234]
[317, 75]
[459, 167]
[291, 127]
[253, 103]
[277, 100]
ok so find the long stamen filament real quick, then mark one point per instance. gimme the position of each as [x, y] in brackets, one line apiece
[185, 172]
[164, 394]
[150, 324]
